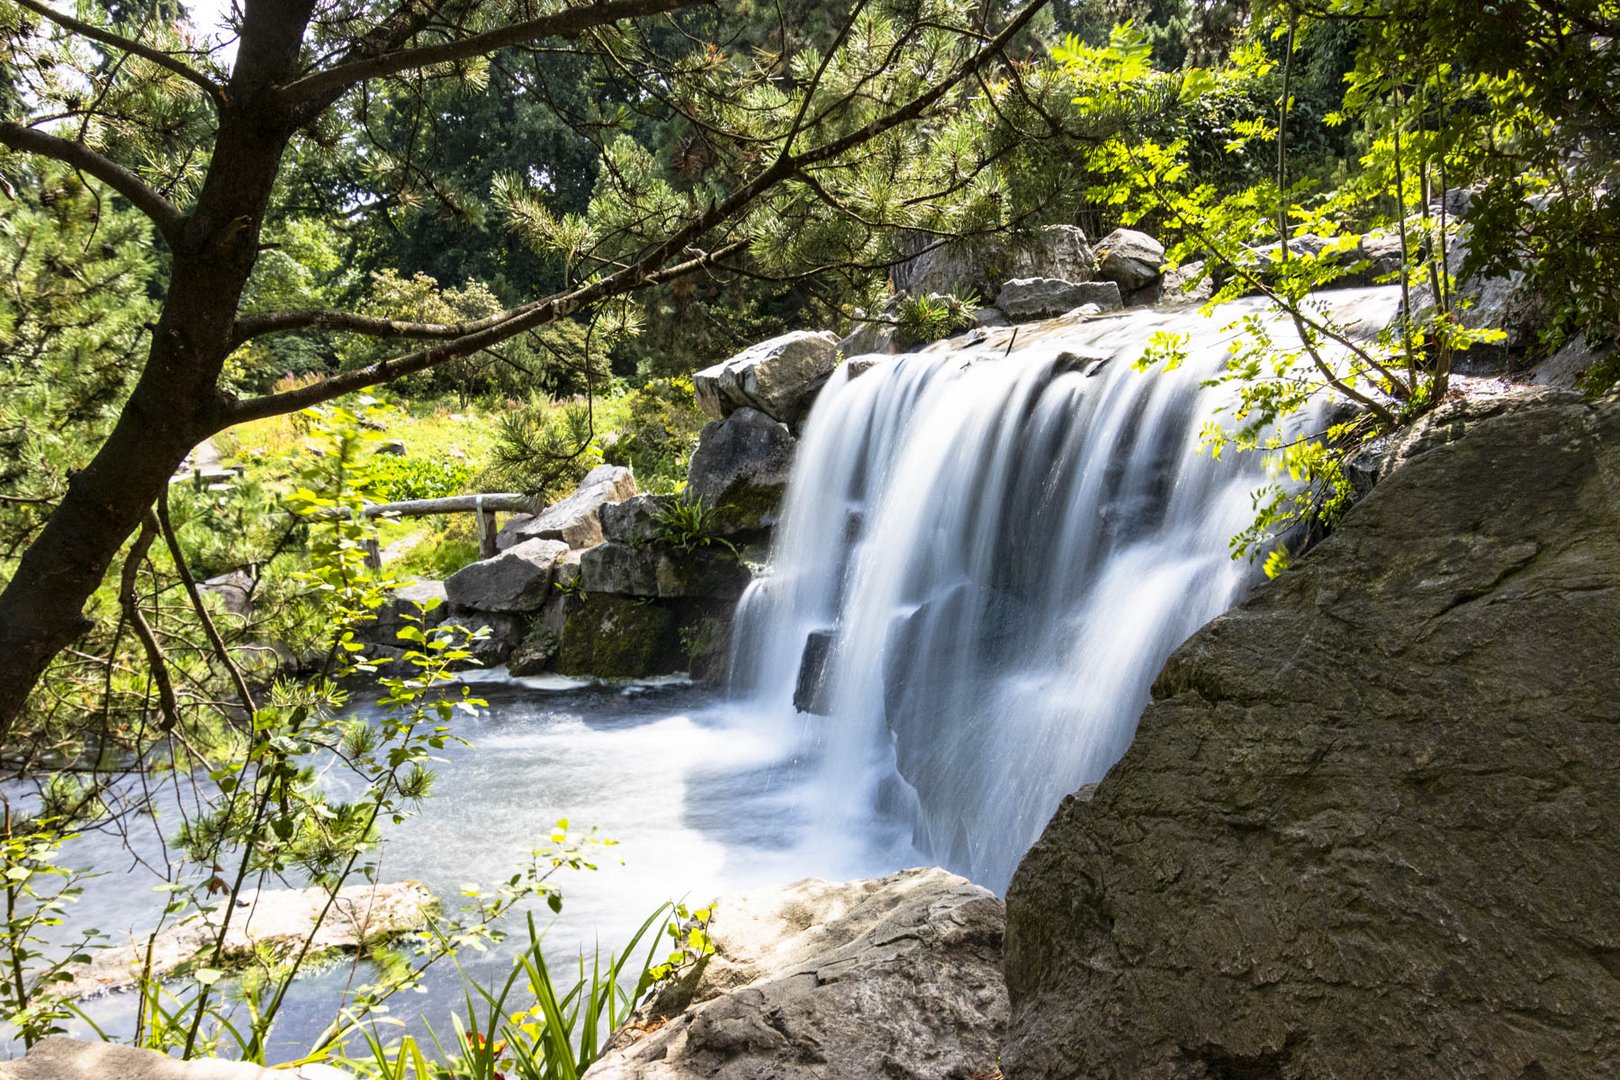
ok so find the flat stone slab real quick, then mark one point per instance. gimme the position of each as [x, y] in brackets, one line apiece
[58, 1058]
[279, 918]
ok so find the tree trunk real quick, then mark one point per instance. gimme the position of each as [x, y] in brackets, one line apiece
[177, 402]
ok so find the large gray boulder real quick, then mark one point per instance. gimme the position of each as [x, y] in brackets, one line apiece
[574, 520]
[518, 579]
[779, 377]
[1039, 298]
[899, 977]
[667, 573]
[740, 470]
[1132, 260]
[635, 521]
[1368, 825]
[981, 266]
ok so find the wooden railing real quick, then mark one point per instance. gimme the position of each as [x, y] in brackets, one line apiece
[485, 506]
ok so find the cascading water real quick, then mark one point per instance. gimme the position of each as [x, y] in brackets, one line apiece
[986, 555]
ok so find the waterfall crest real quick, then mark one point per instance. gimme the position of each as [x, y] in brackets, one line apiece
[986, 554]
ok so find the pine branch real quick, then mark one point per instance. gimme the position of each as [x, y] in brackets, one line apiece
[163, 213]
[215, 92]
[500, 328]
[559, 24]
[649, 269]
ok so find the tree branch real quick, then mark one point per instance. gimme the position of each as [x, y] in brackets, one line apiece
[284, 322]
[163, 213]
[649, 269]
[559, 24]
[507, 325]
[214, 90]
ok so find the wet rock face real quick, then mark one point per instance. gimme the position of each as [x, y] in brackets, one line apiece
[1368, 825]
[897, 977]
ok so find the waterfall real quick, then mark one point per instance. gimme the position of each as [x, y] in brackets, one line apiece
[986, 554]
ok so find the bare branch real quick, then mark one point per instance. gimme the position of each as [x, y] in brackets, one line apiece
[285, 322]
[163, 213]
[214, 90]
[559, 24]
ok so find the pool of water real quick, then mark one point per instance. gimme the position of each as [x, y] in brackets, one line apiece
[701, 797]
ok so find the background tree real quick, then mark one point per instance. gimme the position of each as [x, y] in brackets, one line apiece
[200, 150]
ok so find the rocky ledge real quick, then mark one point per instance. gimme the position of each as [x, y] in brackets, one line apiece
[72, 1059]
[1368, 825]
[897, 977]
[279, 919]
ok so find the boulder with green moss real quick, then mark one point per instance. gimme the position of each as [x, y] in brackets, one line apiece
[618, 637]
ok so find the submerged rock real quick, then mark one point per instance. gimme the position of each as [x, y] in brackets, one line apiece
[1367, 826]
[278, 919]
[898, 977]
[574, 520]
[779, 377]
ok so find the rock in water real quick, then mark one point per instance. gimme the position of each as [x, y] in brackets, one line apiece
[1132, 259]
[277, 919]
[518, 579]
[59, 1058]
[1035, 298]
[778, 377]
[574, 520]
[1368, 826]
[899, 977]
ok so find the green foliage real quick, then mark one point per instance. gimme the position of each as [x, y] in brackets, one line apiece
[553, 1032]
[687, 523]
[73, 315]
[400, 478]
[38, 895]
[1253, 240]
[543, 450]
[657, 429]
[922, 319]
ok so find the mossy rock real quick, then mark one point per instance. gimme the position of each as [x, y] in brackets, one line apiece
[619, 637]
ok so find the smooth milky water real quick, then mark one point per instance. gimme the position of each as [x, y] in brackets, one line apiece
[999, 545]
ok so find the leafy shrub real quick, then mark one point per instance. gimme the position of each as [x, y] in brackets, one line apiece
[658, 434]
[686, 523]
[396, 479]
